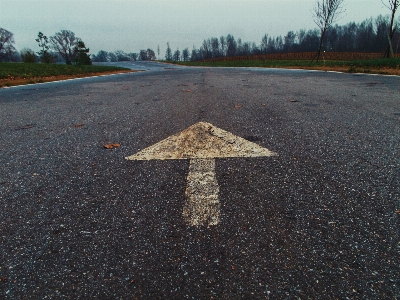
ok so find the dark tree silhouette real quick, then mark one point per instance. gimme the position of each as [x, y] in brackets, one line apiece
[81, 56]
[6, 45]
[150, 54]
[44, 53]
[185, 54]
[177, 55]
[168, 53]
[64, 43]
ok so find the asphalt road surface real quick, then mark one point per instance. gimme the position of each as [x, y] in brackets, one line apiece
[319, 220]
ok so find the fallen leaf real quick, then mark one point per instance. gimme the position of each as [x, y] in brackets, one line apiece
[233, 267]
[398, 211]
[111, 146]
[238, 105]
[79, 125]
[293, 100]
[264, 104]
[28, 126]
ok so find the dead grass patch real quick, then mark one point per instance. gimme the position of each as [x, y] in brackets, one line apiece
[7, 82]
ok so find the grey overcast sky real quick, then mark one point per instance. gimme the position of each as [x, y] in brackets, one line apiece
[131, 25]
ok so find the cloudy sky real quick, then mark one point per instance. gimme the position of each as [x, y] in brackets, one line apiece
[131, 25]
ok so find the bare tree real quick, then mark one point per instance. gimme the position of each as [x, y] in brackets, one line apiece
[112, 57]
[222, 41]
[121, 55]
[64, 43]
[393, 5]
[185, 54]
[28, 55]
[264, 44]
[168, 53]
[133, 56]
[206, 49]
[177, 55]
[6, 44]
[215, 47]
[325, 13]
[195, 54]
[231, 45]
[102, 56]
[151, 55]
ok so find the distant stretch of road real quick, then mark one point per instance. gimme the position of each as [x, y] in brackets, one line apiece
[201, 183]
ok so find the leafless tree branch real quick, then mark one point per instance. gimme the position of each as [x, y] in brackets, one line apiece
[325, 13]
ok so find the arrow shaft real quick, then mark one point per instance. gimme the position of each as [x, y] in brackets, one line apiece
[202, 205]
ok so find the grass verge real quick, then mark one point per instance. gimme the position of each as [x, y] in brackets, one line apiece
[375, 66]
[23, 73]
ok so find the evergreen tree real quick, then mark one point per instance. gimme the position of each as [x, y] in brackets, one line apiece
[81, 54]
[44, 53]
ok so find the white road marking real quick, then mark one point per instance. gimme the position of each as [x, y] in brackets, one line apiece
[202, 205]
[201, 140]
[56, 81]
[202, 143]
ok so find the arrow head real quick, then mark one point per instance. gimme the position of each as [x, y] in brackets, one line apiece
[201, 140]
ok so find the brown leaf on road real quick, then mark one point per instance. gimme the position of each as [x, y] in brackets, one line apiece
[79, 125]
[293, 100]
[238, 105]
[111, 146]
[28, 126]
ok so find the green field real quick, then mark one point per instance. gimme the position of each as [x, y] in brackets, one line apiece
[11, 72]
[366, 66]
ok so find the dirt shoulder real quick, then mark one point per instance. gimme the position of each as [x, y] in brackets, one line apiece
[380, 71]
[7, 82]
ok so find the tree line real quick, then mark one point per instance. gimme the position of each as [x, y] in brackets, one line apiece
[119, 55]
[62, 46]
[369, 35]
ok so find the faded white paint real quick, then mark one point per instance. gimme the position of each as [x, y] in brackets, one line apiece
[202, 206]
[201, 143]
[201, 140]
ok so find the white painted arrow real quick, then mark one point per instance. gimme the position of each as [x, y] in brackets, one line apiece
[201, 143]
